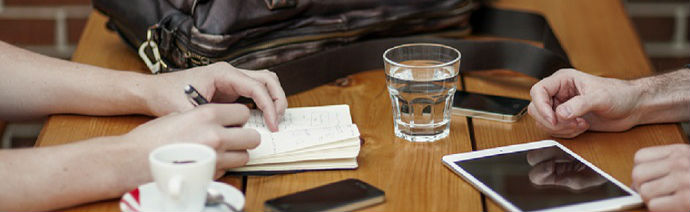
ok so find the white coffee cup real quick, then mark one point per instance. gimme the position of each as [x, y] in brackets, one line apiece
[182, 173]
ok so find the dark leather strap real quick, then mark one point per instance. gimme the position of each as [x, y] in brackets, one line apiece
[314, 70]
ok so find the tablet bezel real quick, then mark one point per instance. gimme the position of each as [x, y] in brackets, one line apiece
[618, 203]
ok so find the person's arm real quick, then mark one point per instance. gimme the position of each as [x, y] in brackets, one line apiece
[33, 86]
[665, 98]
[38, 179]
[570, 102]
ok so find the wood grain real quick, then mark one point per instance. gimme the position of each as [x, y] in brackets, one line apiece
[411, 174]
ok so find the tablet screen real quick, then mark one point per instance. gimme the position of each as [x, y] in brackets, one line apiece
[541, 178]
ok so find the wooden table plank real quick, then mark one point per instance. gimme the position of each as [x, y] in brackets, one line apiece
[411, 174]
[600, 40]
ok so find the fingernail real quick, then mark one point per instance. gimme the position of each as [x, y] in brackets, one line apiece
[564, 112]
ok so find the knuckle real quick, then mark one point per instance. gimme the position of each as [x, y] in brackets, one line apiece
[271, 74]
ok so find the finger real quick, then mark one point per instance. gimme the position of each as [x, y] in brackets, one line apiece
[274, 88]
[231, 159]
[562, 128]
[542, 121]
[580, 127]
[222, 114]
[664, 186]
[236, 138]
[576, 106]
[676, 202]
[654, 153]
[248, 87]
[542, 101]
[649, 171]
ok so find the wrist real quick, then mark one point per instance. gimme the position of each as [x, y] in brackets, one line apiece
[646, 101]
[661, 99]
[138, 86]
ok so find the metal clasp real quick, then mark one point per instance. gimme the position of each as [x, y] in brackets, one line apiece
[155, 64]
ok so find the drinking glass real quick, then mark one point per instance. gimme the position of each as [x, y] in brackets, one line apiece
[421, 80]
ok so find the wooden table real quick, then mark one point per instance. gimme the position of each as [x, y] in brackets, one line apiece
[597, 35]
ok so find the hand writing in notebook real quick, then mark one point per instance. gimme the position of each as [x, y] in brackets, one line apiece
[309, 138]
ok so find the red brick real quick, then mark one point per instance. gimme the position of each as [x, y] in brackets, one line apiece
[74, 29]
[27, 32]
[46, 2]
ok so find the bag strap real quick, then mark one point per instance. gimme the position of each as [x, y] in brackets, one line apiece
[324, 67]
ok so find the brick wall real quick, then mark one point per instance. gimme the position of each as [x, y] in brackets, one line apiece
[50, 27]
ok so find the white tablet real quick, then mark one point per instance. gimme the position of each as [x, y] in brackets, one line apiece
[541, 176]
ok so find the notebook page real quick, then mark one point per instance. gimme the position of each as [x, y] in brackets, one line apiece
[291, 140]
[304, 118]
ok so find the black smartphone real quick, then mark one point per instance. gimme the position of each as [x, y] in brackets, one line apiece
[498, 108]
[345, 195]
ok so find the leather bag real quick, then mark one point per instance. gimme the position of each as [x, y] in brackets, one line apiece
[311, 42]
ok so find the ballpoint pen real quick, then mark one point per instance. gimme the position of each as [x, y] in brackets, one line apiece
[194, 96]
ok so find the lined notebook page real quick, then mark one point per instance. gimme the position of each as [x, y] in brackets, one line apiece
[291, 140]
[304, 118]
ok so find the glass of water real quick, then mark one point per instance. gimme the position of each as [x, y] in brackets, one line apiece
[421, 79]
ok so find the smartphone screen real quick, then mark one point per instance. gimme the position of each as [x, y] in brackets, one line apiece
[488, 106]
[346, 195]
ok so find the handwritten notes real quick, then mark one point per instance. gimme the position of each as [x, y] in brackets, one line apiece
[292, 140]
[303, 128]
[304, 118]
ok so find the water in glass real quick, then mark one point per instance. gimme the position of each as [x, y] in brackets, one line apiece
[421, 99]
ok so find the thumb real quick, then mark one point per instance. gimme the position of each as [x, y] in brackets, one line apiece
[575, 107]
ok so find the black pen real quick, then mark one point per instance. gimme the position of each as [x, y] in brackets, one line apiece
[194, 96]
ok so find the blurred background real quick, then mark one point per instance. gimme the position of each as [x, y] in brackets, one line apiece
[53, 27]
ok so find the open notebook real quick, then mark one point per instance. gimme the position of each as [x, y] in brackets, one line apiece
[309, 138]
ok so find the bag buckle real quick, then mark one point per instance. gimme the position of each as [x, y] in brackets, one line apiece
[156, 63]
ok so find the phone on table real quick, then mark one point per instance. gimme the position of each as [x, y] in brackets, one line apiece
[497, 108]
[345, 195]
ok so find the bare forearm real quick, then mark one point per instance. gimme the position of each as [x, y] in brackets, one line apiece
[33, 85]
[665, 98]
[56, 177]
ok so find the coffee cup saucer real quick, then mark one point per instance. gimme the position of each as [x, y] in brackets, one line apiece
[146, 198]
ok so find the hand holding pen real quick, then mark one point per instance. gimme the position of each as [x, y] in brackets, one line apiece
[196, 98]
